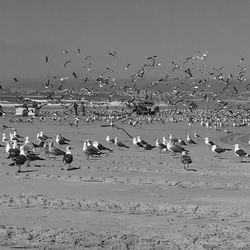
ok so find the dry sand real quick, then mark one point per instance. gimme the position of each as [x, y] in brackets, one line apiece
[128, 199]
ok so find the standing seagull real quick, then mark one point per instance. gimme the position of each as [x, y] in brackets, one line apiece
[68, 157]
[62, 140]
[100, 147]
[190, 140]
[160, 145]
[240, 152]
[208, 142]
[19, 160]
[197, 136]
[120, 144]
[218, 150]
[175, 148]
[54, 150]
[186, 160]
[110, 140]
[137, 143]
[181, 142]
[90, 150]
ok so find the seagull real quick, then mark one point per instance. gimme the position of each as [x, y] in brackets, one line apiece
[218, 150]
[46, 59]
[33, 145]
[13, 138]
[160, 145]
[16, 134]
[190, 140]
[28, 146]
[43, 136]
[54, 150]
[137, 143]
[110, 140]
[197, 136]
[65, 51]
[68, 157]
[112, 53]
[175, 148]
[75, 75]
[120, 144]
[65, 64]
[100, 147]
[144, 143]
[240, 152]
[182, 142]
[4, 139]
[12, 151]
[126, 68]
[19, 160]
[186, 160]
[90, 150]
[176, 66]
[208, 142]
[172, 139]
[62, 140]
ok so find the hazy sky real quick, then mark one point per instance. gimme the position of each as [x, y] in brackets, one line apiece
[136, 29]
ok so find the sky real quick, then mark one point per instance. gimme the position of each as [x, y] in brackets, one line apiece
[135, 29]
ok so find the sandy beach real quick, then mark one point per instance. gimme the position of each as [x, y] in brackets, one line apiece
[127, 199]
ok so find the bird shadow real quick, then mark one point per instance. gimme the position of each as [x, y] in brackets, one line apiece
[222, 158]
[28, 171]
[191, 169]
[39, 166]
[244, 161]
[74, 168]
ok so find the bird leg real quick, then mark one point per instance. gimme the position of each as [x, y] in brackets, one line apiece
[28, 164]
[19, 169]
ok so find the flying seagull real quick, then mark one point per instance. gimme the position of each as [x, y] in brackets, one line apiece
[112, 53]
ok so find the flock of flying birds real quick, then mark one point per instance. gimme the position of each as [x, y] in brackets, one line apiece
[185, 80]
[195, 76]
